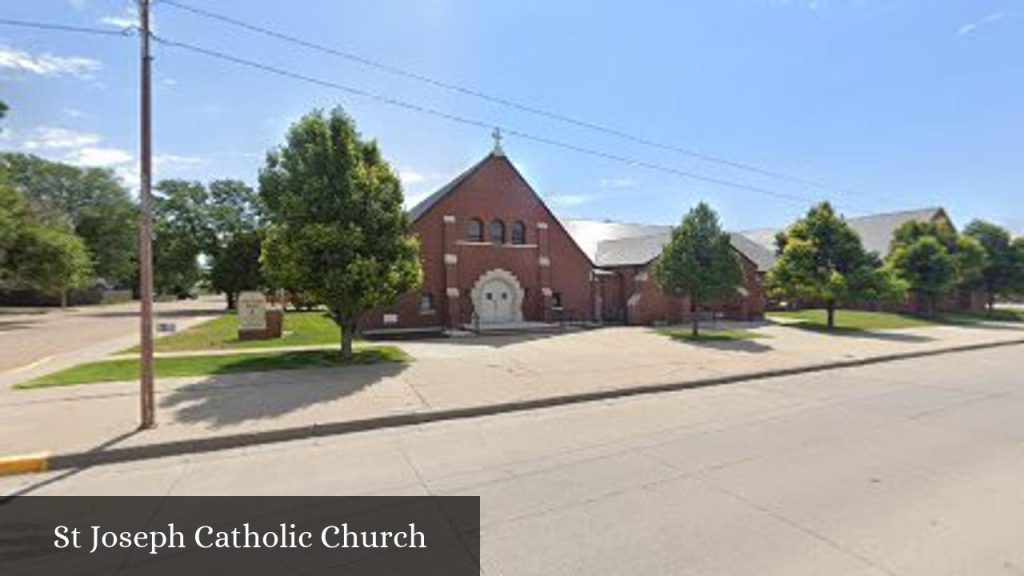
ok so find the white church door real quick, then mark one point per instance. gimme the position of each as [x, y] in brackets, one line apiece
[497, 302]
[498, 298]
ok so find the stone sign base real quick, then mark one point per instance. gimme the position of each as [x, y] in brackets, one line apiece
[275, 323]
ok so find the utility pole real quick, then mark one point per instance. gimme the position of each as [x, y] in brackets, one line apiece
[146, 230]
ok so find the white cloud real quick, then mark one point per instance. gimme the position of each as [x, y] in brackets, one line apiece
[972, 27]
[411, 177]
[73, 113]
[569, 200]
[47, 64]
[411, 200]
[171, 161]
[77, 4]
[98, 157]
[129, 18]
[59, 138]
[618, 183]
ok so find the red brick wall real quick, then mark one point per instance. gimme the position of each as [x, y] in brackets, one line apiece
[654, 305]
[495, 189]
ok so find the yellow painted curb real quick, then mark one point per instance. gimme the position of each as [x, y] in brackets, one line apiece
[26, 464]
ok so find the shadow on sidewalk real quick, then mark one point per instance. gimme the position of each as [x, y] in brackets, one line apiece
[891, 336]
[71, 471]
[229, 400]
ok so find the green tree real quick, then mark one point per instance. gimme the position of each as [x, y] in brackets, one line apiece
[821, 259]
[182, 233]
[698, 263]
[12, 220]
[234, 216]
[1000, 265]
[337, 227]
[927, 267]
[98, 207]
[945, 263]
[51, 259]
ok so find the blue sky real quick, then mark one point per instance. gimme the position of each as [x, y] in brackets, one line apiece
[892, 104]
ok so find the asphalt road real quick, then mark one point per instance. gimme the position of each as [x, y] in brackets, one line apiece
[40, 339]
[911, 467]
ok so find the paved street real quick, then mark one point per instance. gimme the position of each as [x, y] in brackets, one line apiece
[909, 467]
[45, 340]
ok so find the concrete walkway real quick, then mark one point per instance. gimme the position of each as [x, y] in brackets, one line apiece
[911, 468]
[458, 374]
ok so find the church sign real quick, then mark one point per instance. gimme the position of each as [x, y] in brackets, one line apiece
[252, 311]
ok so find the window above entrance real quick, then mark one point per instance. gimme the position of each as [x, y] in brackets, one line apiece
[475, 230]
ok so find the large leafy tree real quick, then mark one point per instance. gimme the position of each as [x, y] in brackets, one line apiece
[51, 259]
[337, 227]
[821, 260]
[95, 203]
[1001, 264]
[12, 220]
[935, 261]
[182, 233]
[234, 216]
[698, 263]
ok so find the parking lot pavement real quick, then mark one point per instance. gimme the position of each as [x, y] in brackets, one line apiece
[41, 340]
[909, 467]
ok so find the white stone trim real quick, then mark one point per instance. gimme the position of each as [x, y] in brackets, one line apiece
[449, 219]
[634, 300]
[451, 258]
[452, 292]
[544, 261]
[542, 225]
[642, 277]
[546, 292]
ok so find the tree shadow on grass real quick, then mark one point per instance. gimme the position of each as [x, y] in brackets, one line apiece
[232, 397]
[891, 335]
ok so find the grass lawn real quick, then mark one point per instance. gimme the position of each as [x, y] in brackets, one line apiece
[851, 320]
[684, 333]
[300, 329]
[128, 369]
[998, 315]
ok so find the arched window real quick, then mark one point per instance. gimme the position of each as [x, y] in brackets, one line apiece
[497, 231]
[475, 230]
[519, 232]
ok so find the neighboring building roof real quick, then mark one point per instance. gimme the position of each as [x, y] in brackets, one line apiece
[635, 251]
[875, 230]
[611, 244]
[427, 203]
[762, 257]
[589, 233]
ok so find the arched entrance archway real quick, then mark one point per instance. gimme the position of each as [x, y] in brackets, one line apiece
[498, 297]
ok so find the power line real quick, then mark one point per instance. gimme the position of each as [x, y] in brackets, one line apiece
[503, 101]
[223, 56]
[65, 28]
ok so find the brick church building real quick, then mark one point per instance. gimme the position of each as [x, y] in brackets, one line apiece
[494, 255]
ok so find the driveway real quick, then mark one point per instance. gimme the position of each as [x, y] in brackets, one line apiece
[905, 468]
[39, 340]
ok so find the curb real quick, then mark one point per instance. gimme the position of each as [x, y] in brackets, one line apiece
[25, 464]
[76, 460]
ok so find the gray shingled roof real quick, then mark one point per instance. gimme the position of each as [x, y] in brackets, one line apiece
[588, 234]
[611, 244]
[875, 230]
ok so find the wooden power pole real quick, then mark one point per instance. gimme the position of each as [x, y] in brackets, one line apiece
[146, 230]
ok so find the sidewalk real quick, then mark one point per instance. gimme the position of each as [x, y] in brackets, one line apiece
[447, 375]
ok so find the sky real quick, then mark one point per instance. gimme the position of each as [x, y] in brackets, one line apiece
[883, 105]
